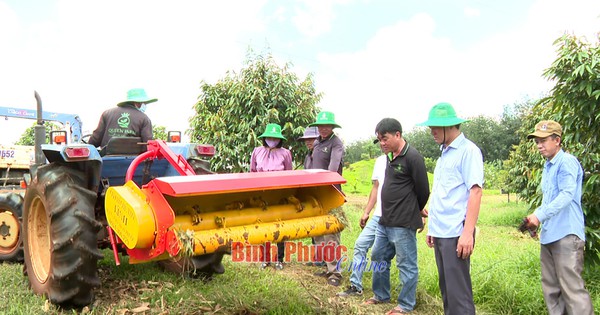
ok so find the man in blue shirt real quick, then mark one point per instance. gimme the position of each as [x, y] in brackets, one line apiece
[562, 238]
[454, 208]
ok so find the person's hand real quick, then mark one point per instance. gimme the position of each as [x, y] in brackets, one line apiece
[532, 221]
[421, 229]
[363, 220]
[424, 213]
[464, 248]
[429, 240]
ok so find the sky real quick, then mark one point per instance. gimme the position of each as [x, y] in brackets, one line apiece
[371, 59]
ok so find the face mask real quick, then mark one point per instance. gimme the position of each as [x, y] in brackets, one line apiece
[272, 143]
[142, 108]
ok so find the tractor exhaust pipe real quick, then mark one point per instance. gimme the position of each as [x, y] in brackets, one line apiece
[39, 132]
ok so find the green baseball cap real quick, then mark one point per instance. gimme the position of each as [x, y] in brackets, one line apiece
[325, 118]
[138, 96]
[442, 115]
[272, 131]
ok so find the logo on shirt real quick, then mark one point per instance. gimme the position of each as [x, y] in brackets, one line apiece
[124, 120]
[325, 149]
[398, 168]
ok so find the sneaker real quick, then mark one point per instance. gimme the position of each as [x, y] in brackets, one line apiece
[264, 265]
[351, 291]
[279, 265]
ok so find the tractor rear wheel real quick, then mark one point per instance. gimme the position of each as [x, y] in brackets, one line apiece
[11, 244]
[59, 236]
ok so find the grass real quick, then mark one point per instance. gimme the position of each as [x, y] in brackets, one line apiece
[505, 273]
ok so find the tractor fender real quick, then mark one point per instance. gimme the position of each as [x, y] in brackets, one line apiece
[58, 153]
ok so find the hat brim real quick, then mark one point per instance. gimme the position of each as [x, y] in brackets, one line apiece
[443, 122]
[272, 136]
[316, 124]
[540, 134]
[147, 101]
[305, 137]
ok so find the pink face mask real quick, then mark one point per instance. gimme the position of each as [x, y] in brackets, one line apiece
[272, 143]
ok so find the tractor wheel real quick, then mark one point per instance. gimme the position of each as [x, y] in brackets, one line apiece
[11, 244]
[59, 236]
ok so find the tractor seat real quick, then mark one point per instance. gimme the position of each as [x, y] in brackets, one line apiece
[124, 146]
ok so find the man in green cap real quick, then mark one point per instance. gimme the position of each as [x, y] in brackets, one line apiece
[126, 120]
[328, 154]
[454, 208]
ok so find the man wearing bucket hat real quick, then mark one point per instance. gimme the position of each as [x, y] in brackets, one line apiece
[309, 137]
[269, 157]
[454, 207]
[563, 230]
[328, 154]
[126, 120]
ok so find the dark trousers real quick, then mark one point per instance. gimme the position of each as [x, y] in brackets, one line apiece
[454, 278]
[280, 252]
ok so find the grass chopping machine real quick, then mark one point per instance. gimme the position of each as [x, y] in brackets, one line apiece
[147, 202]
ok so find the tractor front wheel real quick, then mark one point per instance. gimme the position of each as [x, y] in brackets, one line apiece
[11, 244]
[60, 236]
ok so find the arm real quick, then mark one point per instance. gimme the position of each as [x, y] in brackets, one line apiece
[337, 154]
[419, 176]
[287, 161]
[464, 249]
[253, 161]
[370, 204]
[146, 132]
[472, 166]
[96, 138]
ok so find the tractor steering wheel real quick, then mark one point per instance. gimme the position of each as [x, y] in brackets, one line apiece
[85, 138]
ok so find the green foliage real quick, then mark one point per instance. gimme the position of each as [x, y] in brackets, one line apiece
[361, 150]
[28, 136]
[232, 113]
[574, 104]
[358, 177]
[422, 140]
[159, 132]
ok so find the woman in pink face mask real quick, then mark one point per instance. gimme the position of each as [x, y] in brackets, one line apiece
[271, 156]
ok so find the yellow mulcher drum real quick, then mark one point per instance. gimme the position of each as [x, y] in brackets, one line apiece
[204, 214]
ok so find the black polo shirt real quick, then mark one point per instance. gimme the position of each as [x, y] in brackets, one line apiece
[405, 189]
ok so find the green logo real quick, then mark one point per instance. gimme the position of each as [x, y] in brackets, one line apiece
[124, 120]
[398, 168]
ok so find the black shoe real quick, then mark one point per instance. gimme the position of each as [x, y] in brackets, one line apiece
[351, 291]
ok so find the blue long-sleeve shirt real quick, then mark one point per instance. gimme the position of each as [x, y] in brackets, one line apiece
[560, 212]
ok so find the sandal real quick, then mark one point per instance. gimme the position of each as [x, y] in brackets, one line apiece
[334, 281]
[374, 301]
[397, 310]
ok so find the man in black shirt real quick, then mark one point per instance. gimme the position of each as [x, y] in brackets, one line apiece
[126, 120]
[404, 194]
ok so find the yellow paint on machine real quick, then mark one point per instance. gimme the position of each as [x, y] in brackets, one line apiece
[130, 216]
[209, 241]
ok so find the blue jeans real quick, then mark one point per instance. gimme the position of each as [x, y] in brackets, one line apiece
[401, 242]
[361, 247]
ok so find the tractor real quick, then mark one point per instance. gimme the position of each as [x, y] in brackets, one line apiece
[155, 202]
